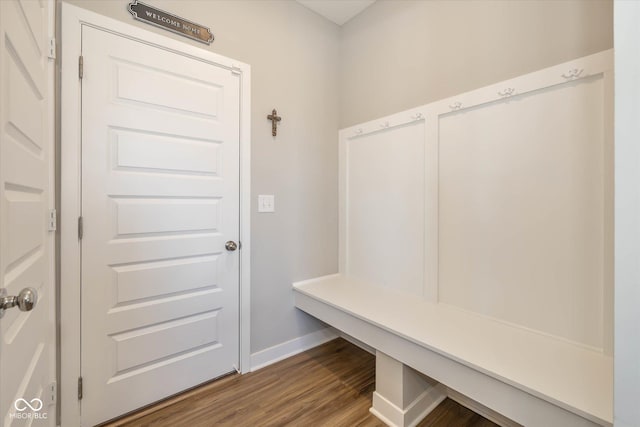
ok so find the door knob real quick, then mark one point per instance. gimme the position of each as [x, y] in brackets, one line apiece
[231, 246]
[25, 301]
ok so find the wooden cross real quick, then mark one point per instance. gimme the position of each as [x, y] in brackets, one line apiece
[274, 121]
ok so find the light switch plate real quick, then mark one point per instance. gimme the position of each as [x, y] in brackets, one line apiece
[266, 203]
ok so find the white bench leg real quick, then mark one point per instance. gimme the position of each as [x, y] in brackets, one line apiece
[403, 397]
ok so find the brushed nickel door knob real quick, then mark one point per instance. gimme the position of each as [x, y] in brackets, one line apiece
[231, 246]
[25, 301]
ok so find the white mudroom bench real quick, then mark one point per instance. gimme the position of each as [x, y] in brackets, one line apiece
[528, 377]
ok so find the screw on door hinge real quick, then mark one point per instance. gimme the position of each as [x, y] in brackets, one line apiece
[79, 388]
[80, 228]
[80, 67]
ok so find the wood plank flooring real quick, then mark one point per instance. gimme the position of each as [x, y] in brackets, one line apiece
[330, 385]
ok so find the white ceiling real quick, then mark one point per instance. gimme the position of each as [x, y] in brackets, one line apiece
[338, 11]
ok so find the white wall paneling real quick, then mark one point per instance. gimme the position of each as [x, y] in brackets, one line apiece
[524, 187]
[382, 211]
[517, 214]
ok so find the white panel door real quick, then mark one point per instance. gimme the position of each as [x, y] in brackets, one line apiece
[26, 337]
[160, 199]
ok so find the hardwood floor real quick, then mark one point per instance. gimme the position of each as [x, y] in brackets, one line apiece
[330, 385]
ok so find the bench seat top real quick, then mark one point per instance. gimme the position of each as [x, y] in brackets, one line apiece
[571, 376]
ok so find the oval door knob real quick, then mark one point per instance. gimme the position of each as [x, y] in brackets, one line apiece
[231, 246]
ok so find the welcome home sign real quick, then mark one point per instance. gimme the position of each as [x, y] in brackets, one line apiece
[145, 13]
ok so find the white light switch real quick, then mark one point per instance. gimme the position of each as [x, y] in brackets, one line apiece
[266, 203]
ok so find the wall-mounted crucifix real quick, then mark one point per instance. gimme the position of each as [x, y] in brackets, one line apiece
[274, 121]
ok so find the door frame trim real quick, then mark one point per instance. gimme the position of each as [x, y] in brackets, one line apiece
[73, 18]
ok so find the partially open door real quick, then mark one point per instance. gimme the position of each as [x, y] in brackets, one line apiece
[27, 343]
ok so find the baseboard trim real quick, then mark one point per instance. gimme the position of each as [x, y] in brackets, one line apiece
[271, 355]
[393, 416]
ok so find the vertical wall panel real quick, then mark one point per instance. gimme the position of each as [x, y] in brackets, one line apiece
[522, 187]
[385, 207]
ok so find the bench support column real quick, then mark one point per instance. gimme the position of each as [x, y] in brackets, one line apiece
[403, 396]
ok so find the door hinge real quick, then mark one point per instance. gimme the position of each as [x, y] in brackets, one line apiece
[80, 67]
[80, 228]
[79, 388]
[53, 220]
[52, 392]
[52, 48]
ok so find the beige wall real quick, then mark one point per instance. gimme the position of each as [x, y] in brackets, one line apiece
[401, 54]
[293, 55]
